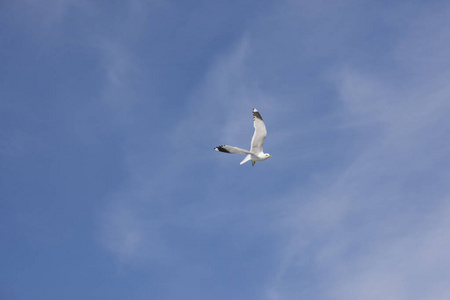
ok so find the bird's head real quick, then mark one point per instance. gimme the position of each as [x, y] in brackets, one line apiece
[267, 155]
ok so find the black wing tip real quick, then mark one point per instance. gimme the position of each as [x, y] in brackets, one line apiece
[221, 149]
[256, 114]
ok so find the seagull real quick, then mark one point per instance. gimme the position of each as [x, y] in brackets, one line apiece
[256, 151]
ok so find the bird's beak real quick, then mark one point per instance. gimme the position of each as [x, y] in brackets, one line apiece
[270, 155]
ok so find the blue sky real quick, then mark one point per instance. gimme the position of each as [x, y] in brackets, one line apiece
[110, 188]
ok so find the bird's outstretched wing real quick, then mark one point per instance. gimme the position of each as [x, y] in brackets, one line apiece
[231, 149]
[260, 132]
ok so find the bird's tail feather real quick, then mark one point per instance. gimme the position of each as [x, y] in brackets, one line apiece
[246, 159]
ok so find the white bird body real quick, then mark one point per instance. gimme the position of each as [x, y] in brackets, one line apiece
[256, 151]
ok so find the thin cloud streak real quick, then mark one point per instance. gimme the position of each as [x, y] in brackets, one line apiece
[372, 228]
[377, 228]
[147, 184]
[225, 91]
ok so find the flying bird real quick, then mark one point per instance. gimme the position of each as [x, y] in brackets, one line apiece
[256, 151]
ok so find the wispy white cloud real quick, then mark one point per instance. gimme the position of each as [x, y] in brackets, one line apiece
[121, 225]
[377, 229]
[410, 264]
[217, 110]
